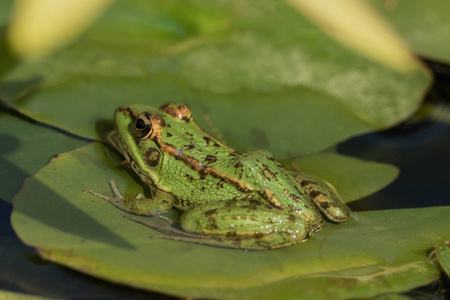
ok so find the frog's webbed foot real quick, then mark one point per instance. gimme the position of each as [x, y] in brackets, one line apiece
[324, 196]
[117, 201]
[138, 205]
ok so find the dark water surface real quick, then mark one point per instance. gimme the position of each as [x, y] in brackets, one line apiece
[420, 147]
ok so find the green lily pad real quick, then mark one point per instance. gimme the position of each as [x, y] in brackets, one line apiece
[21, 296]
[259, 63]
[391, 297]
[353, 178]
[22, 268]
[5, 10]
[443, 255]
[376, 252]
[26, 147]
[427, 31]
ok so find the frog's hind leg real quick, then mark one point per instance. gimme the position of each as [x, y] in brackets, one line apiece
[245, 224]
[324, 196]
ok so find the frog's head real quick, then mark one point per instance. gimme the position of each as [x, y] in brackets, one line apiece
[139, 136]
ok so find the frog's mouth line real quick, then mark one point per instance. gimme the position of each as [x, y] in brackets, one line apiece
[117, 144]
[114, 140]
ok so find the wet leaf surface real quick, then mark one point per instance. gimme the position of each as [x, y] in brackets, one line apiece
[353, 178]
[22, 268]
[7, 295]
[25, 147]
[286, 85]
[288, 89]
[443, 256]
[361, 258]
[427, 32]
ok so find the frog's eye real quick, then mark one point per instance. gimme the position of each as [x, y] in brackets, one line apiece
[146, 126]
[143, 126]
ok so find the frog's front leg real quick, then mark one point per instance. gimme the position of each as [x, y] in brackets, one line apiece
[324, 197]
[245, 224]
[159, 203]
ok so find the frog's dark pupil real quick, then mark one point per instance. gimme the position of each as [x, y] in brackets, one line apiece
[140, 124]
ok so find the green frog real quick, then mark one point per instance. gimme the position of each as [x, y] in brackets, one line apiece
[225, 198]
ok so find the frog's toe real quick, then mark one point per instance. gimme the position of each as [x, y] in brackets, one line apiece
[334, 211]
[330, 204]
[324, 197]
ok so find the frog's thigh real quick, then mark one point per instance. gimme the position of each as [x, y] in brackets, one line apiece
[324, 196]
[236, 225]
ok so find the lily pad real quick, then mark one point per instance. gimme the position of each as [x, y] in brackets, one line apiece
[427, 32]
[443, 255]
[361, 258]
[22, 268]
[5, 11]
[256, 63]
[353, 178]
[391, 297]
[26, 147]
[21, 296]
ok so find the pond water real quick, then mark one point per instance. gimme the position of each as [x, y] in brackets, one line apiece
[420, 147]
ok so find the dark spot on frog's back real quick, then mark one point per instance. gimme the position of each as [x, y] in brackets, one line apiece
[152, 157]
[272, 158]
[220, 184]
[210, 158]
[210, 213]
[268, 172]
[259, 138]
[168, 134]
[294, 198]
[208, 140]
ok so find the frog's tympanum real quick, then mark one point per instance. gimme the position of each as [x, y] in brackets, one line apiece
[226, 198]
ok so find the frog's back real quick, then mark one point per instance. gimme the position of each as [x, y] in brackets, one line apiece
[228, 175]
[210, 170]
[204, 163]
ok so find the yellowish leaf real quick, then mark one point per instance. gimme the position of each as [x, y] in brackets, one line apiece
[356, 25]
[39, 27]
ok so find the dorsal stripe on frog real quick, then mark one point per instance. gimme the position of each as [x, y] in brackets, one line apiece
[196, 165]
